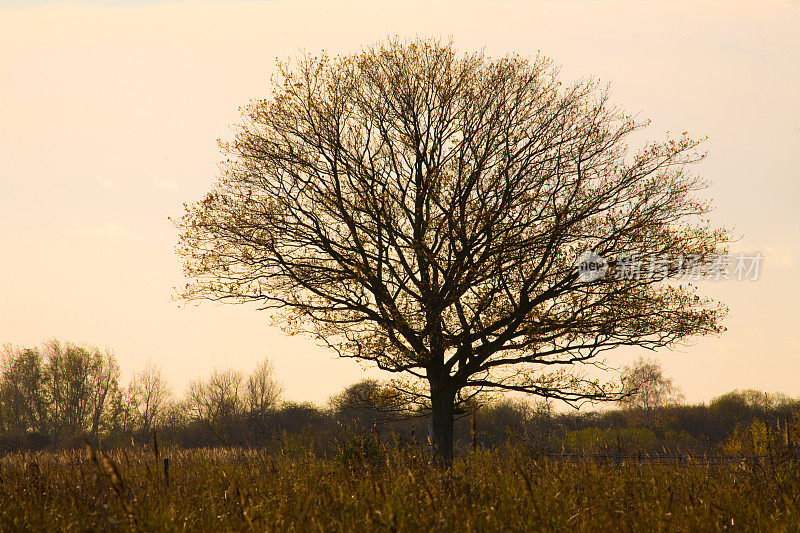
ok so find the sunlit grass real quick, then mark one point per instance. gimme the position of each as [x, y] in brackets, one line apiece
[504, 489]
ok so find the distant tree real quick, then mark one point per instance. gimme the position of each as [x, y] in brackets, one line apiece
[149, 397]
[754, 400]
[216, 402]
[68, 379]
[543, 408]
[498, 420]
[23, 390]
[423, 210]
[121, 419]
[295, 417]
[647, 388]
[369, 402]
[80, 382]
[104, 381]
[262, 391]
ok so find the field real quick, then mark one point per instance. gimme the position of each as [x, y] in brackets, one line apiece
[375, 489]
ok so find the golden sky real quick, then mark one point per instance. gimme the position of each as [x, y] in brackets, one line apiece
[109, 115]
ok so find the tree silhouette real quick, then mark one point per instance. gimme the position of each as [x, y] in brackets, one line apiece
[423, 210]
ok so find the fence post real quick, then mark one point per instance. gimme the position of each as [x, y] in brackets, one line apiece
[166, 473]
[474, 432]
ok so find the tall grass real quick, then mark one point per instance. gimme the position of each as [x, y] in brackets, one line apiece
[387, 490]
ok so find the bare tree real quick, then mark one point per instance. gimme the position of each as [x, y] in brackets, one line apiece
[216, 401]
[262, 391]
[423, 210]
[149, 397]
[647, 388]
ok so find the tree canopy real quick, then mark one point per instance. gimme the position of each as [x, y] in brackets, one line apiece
[423, 209]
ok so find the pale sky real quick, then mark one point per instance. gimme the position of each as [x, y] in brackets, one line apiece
[110, 112]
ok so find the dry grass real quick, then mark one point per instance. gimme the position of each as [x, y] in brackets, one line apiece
[506, 489]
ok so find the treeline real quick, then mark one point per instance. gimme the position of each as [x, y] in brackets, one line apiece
[61, 394]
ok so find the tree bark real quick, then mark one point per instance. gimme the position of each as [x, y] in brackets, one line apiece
[442, 414]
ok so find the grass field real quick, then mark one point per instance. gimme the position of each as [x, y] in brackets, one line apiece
[386, 490]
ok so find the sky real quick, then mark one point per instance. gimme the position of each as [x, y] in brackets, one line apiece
[110, 114]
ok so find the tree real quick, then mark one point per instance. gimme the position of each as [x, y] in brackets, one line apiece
[23, 390]
[149, 397]
[368, 402]
[262, 391]
[647, 388]
[423, 210]
[81, 383]
[216, 402]
[104, 372]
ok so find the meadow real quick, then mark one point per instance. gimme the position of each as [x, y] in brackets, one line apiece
[374, 487]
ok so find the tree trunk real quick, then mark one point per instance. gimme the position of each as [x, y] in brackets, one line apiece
[442, 400]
